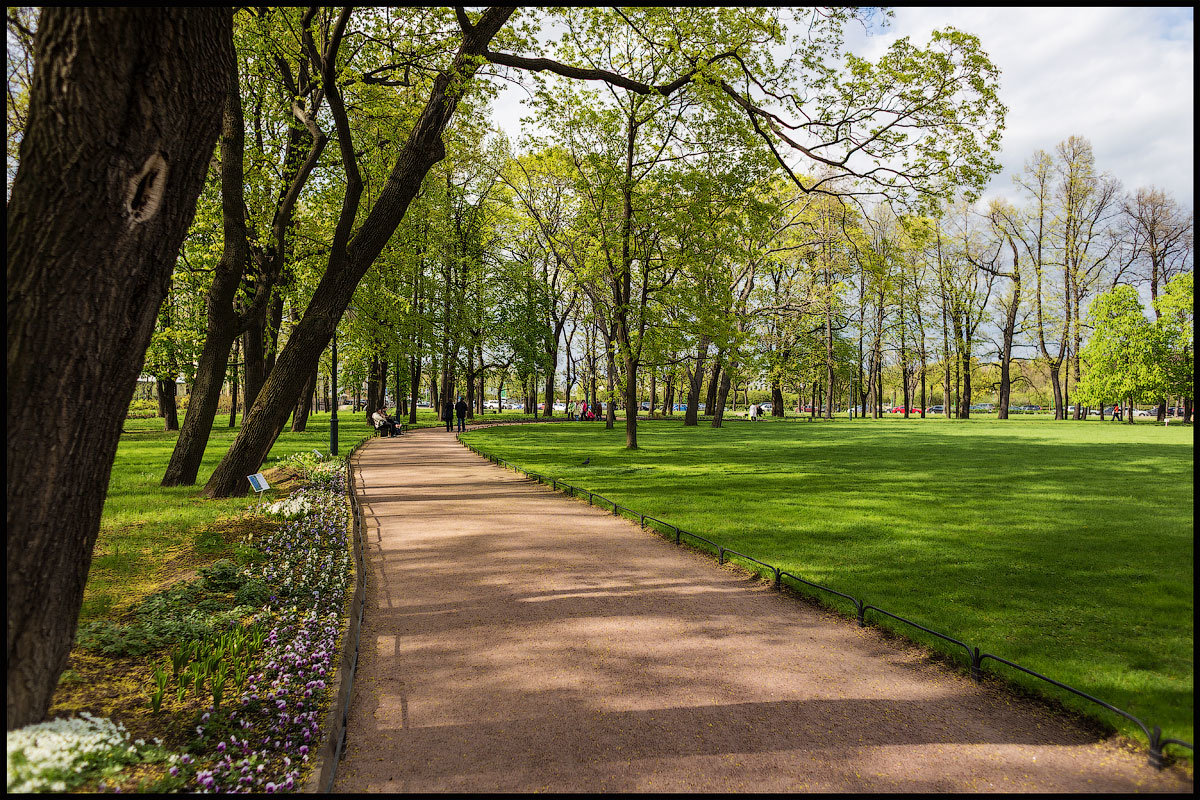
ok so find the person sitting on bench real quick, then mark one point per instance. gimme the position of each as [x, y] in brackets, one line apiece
[383, 423]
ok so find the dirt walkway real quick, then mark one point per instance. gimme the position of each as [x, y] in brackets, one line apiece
[516, 640]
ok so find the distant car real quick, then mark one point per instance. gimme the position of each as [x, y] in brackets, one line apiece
[1141, 412]
[645, 406]
[766, 406]
[935, 410]
[423, 405]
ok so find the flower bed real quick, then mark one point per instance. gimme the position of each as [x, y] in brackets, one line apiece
[279, 663]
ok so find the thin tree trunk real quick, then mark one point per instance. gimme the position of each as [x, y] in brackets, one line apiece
[304, 405]
[695, 378]
[714, 383]
[233, 384]
[723, 391]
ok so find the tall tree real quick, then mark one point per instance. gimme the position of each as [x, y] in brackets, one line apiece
[120, 131]
[352, 250]
[1124, 353]
[223, 321]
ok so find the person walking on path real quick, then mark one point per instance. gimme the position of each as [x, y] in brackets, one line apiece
[448, 415]
[460, 409]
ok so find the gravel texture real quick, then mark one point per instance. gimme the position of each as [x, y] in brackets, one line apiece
[516, 640]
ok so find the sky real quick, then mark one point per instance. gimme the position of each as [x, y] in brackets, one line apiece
[1121, 77]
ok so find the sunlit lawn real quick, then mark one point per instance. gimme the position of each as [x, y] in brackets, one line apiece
[148, 532]
[1066, 547]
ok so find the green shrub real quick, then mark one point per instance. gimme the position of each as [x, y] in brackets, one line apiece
[221, 576]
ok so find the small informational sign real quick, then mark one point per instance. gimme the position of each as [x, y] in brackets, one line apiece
[258, 482]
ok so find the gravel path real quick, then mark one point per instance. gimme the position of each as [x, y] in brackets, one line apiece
[516, 640]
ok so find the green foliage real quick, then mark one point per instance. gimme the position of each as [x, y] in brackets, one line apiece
[1125, 353]
[185, 612]
[1176, 325]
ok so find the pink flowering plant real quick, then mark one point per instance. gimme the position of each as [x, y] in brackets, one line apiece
[249, 648]
[263, 740]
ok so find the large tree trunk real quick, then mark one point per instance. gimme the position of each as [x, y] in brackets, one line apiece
[222, 323]
[631, 402]
[348, 262]
[552, 360]
[1058, 394]
[120, 130]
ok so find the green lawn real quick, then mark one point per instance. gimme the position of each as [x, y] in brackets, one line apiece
[1065, 547]
[147, 532]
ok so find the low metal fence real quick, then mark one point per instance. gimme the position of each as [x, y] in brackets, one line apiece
[975, 657]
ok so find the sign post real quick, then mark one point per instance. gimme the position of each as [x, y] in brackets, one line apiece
[258, 483]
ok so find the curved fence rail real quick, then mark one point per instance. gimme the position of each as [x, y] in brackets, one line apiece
[975, 657]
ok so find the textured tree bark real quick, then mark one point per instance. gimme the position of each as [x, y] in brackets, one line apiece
[304, 404]
[349, 259]
[414, 376]
[714, 383]
[121, 127]
[233, 389]
[168, 409]
[696, 377]
[723, 393]
[221, 320]
[253, 357]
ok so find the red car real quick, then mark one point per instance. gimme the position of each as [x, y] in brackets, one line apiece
[911, 411]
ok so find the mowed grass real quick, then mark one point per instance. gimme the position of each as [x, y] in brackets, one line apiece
[150, 534]
[1065, 547]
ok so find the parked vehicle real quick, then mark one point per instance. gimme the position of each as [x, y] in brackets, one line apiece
[766, 406]
[935, 410]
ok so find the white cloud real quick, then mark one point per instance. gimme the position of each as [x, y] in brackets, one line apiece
[1121, 77]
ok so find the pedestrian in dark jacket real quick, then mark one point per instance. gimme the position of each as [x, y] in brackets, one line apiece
[448, 415]
[460, 409]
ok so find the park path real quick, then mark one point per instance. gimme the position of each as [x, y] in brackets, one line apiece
[517, 640]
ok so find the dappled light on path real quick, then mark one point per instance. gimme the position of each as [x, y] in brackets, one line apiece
[517, 640]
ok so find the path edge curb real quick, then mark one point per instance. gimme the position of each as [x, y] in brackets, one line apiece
[324, 773]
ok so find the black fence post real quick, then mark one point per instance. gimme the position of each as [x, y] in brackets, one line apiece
[1156, 754]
